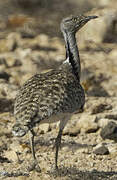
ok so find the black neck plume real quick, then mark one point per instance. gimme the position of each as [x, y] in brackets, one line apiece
[72, 53]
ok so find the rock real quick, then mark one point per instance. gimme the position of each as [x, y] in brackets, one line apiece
[112, 115]
[43, 128]
[100, 108]
[7, 90]
[43, 40]
[112, 147]
[103, 122]
[4, 75]
[71, 131]
[3, 46]
[109, 131]
[24, 55]
[6, 105]
[10, 61]
[112, 54]
[10, 43]
[13, 40]
[87, 123]
[4, 159]
[11, 155]
[19, 147]
[101, 150]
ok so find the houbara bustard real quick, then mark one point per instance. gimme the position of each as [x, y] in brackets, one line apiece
[54, 95]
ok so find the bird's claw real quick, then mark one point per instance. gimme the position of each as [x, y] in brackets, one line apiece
[34, 166]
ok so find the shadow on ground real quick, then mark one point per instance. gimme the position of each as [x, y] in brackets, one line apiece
[74, 173]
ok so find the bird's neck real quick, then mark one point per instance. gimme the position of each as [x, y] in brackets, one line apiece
[72, 53]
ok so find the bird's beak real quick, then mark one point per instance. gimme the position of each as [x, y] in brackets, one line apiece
[91, 17]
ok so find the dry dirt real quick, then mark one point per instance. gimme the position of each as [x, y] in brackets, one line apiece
[37, 47]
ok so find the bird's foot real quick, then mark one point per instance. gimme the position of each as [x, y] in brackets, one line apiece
[56, 168]
[34, 166]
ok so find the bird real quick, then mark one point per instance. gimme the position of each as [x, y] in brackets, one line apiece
[55, 95]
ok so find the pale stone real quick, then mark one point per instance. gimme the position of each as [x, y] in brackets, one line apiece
[87, 123]
[101, 149]
[11, 155]
[43, 128]
[103, 122]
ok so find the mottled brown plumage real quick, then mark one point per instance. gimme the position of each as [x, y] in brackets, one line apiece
[44, 95]
[54, 95]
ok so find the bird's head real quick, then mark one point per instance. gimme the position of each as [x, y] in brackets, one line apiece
[72, 24]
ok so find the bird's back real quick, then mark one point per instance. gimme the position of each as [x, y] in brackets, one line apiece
[47, 94]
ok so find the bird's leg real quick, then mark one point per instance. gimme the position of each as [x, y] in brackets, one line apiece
[35, 163]
[31, 139]
[57, 146]
[58, 139]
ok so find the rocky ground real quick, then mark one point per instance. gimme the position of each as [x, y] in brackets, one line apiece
[89, 148]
